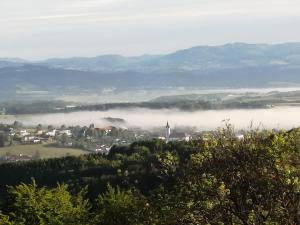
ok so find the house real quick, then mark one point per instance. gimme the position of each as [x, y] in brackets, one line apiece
[12, 132]
[36, 141]
[103, 149]
[51, 133]
[29, 138]
[161, 138]
[106, 130]
[66, 132]
[70, 106]
[39, 132]
[179, 136]
[24, 133]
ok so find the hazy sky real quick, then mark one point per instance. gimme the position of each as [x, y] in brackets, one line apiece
[36, 29]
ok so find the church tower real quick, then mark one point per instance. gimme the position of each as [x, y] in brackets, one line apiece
[168, 132]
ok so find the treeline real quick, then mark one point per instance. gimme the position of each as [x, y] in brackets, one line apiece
[186, 105]
[16, 108]
[218, 179]
[31, 107]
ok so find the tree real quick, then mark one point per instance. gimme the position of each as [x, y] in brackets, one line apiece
[218, 179]
[39, 127]
[2, 140]
[37, 155]
[17, 125]
[116, 207]
[31, 205]
[4, 220]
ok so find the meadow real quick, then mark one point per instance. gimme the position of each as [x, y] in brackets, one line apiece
[44, 151]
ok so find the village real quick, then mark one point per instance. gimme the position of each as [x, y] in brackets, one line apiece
[89, 139]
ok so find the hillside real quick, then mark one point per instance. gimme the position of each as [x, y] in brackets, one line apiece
[219, 178]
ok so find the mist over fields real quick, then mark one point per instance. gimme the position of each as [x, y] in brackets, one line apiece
[278, 117]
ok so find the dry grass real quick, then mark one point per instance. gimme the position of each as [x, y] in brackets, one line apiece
[45, 152]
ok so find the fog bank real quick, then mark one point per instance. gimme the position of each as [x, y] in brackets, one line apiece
[279, 117]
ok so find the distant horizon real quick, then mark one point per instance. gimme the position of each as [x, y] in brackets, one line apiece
[40, 29]
[4, 58]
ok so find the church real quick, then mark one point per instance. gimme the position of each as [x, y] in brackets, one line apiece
[175, 136]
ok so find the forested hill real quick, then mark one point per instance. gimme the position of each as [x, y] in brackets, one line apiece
[217, 179]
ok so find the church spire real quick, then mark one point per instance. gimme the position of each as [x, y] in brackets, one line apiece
[168, 132]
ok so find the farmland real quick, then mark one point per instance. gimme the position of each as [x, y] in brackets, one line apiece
[43, 150]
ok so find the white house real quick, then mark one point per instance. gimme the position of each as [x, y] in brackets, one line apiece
[179, 136]
[66, 132]
[51, 133]
[29, 138]
[39, 132]
[36, 141]
[103, 149]
[24, 133]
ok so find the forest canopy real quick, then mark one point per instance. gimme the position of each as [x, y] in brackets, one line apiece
[218, 179]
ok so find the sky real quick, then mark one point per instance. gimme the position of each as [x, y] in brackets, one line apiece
[39, 29]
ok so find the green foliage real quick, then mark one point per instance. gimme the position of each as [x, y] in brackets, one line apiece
[4, 220]
[30, 205]
[118, 207]
[218, 179]
[2, 140]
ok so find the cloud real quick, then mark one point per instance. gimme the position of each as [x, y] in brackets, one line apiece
[95, 3]
[154, 26]
[49, 17]
[176, 15]
[129, 10]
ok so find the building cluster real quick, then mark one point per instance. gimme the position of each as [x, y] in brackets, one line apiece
[90, 138]
[103, 149]
[174, 135]
[38, 135]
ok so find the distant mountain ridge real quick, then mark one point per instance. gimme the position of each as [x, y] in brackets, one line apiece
[236, 55]
[231, 65]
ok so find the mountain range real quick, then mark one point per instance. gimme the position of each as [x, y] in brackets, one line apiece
[231, 65]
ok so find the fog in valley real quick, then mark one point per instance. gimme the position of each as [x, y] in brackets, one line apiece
[278, 117]
[112, 95]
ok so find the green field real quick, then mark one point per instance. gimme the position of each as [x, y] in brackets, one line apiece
[44, 151]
